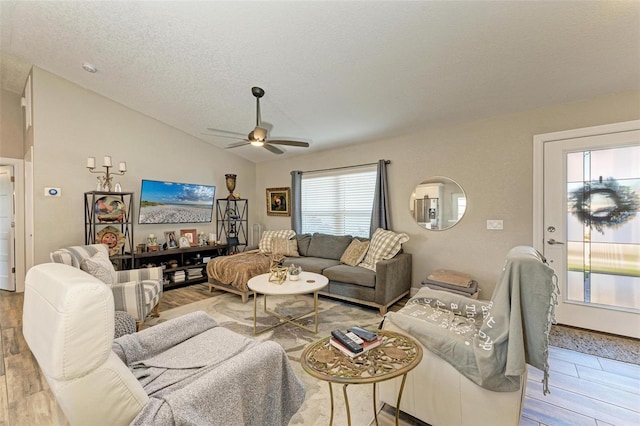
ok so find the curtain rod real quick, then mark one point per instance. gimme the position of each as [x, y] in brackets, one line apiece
[345, 167]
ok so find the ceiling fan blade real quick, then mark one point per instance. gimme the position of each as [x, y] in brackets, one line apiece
[290, 143]
[223, 136]
[225, 131]
[273, 149]
[237, 144]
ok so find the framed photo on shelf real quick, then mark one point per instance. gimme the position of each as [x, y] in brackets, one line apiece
[192, 236]
[170, 239]
[279, 201]
[184, 242]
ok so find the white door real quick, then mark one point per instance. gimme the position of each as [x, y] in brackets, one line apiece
[591, 225]
[7, 275]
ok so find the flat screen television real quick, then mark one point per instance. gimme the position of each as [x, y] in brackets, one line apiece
[172, 202]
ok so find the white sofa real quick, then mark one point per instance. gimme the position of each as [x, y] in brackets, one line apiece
[517, 320]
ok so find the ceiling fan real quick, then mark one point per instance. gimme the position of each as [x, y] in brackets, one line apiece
[258, 136]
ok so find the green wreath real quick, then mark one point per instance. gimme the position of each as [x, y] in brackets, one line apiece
[623, 207]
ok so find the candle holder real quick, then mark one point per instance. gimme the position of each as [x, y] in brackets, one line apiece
[106, 181]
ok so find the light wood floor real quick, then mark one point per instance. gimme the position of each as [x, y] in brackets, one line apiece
[584, 389]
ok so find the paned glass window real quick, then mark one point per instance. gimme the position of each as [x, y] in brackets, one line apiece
[338, 202]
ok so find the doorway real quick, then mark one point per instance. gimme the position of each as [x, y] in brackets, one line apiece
[587, 223]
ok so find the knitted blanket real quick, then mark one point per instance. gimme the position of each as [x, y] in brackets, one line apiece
[197, 373]
[490, 343]
[236, 270]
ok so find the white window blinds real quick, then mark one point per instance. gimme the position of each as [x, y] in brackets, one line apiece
[338, 202]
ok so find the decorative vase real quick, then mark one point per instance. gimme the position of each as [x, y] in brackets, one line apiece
[294, 272]
[230, 180]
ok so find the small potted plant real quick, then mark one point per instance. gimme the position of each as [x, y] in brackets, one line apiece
[294, 272]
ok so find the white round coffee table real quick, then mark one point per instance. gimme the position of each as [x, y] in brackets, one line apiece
[309, 282]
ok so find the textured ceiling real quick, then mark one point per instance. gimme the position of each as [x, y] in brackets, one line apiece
[334, 72]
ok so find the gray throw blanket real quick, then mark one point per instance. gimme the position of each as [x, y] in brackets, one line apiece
[490, 343]
[197, 373]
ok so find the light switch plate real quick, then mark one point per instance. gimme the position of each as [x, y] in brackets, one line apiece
[52, 192]
[494, 224]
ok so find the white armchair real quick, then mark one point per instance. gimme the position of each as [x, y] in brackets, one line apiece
[474, 371]
[136, 291]
[188, 370]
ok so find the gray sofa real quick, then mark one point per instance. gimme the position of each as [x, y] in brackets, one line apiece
[320, 253]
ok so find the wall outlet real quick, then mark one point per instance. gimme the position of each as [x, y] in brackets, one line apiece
[52, 192]
[494, 225]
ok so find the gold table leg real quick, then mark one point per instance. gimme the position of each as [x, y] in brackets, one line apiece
[346, 403]
[375, 409]
[404, 379]
[331, 394]
[285, 320]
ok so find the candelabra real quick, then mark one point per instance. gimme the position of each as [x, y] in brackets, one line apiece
[106, 180]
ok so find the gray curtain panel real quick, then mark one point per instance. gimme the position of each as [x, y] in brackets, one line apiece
[380, 217]
[296, 201]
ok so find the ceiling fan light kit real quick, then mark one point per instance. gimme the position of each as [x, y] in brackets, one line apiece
[258, 136]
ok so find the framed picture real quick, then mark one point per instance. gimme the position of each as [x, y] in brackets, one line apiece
[184, 242]
[170, 239]
[279, 201]
[192, 236]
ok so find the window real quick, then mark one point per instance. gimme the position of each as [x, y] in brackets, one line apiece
[338, 202]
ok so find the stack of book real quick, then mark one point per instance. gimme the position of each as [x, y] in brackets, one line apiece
[179, 276]
[193, 273]
[354, 344]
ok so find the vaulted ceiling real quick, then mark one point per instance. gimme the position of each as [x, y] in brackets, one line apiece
[334, 72]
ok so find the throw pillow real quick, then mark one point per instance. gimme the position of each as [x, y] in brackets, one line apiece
[355, 252]
[285, 247]
[100, 267]
[265, 245]
[384, 245]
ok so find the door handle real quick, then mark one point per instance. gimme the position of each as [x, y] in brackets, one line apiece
[553, 242]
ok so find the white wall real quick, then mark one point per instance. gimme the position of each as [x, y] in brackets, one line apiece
[72, 123]
[491, 159]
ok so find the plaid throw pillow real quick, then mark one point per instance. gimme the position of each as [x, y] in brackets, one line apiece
[266, 242]
[384, 245]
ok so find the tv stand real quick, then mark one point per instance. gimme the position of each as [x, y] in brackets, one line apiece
[182, 266]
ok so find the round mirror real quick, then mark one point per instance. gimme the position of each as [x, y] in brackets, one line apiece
[438, 203]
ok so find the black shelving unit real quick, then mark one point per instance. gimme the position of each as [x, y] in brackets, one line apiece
[232, 222]
[102, 209]
[192, 260]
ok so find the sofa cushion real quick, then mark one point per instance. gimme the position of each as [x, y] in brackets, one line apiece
[265, 245]
[355, 253]
[328, 246]
[100, 267]
[384, 245]
[351, 275]
[285, 247]
[311, 264]
[303, 243]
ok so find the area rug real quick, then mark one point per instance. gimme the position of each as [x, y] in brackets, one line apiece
[604, 345]
[229, 311]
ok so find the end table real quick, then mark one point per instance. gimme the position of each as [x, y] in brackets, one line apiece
[396, 356]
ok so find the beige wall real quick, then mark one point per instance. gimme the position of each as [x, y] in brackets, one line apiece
[491, 159]
[11, 123]
[72, 123]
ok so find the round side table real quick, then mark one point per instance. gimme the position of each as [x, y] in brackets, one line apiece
[396, 356]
